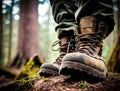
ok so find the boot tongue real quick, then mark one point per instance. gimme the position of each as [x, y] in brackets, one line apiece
[89, 36]
[88, 25]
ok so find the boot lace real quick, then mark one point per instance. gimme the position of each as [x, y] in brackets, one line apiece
[63, 49]
[86, 43]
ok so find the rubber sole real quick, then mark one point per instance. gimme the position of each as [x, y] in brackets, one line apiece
[79, 71]
[48, 72]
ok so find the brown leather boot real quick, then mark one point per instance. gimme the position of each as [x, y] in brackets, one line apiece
[67, 45]
[86, 63]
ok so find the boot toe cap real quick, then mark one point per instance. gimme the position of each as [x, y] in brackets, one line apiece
[82, 58]
[48, 70]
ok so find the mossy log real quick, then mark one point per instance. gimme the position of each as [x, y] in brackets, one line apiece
[26, 74]
[31, 68]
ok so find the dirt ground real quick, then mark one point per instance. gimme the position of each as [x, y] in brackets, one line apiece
[61, 83]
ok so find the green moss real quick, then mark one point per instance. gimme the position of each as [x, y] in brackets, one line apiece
[83, 84]
[24, 84]
[46, 79]
[27, 76]
[31, 68]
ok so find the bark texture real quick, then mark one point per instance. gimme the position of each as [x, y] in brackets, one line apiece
[28, 32]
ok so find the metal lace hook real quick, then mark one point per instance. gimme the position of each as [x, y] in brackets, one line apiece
[54, 44]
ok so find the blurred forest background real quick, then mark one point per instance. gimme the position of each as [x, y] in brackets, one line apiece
[10, 30]
[27, 28]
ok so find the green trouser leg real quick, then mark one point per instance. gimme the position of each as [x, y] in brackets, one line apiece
[67, 13]
[63, 13]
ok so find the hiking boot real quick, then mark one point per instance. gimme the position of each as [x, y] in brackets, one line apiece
[67, 45]
[87, 63]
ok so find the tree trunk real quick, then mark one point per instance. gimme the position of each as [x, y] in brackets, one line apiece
[1, 34]
[119, 16]
[28, 32]
[114, 58]
[113, 64]
[10, 35]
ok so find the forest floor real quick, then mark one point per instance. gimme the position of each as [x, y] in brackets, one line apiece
[29, 80]
[60, 83]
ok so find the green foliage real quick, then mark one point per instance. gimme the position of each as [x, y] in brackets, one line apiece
[46, 79]
[83, 84]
